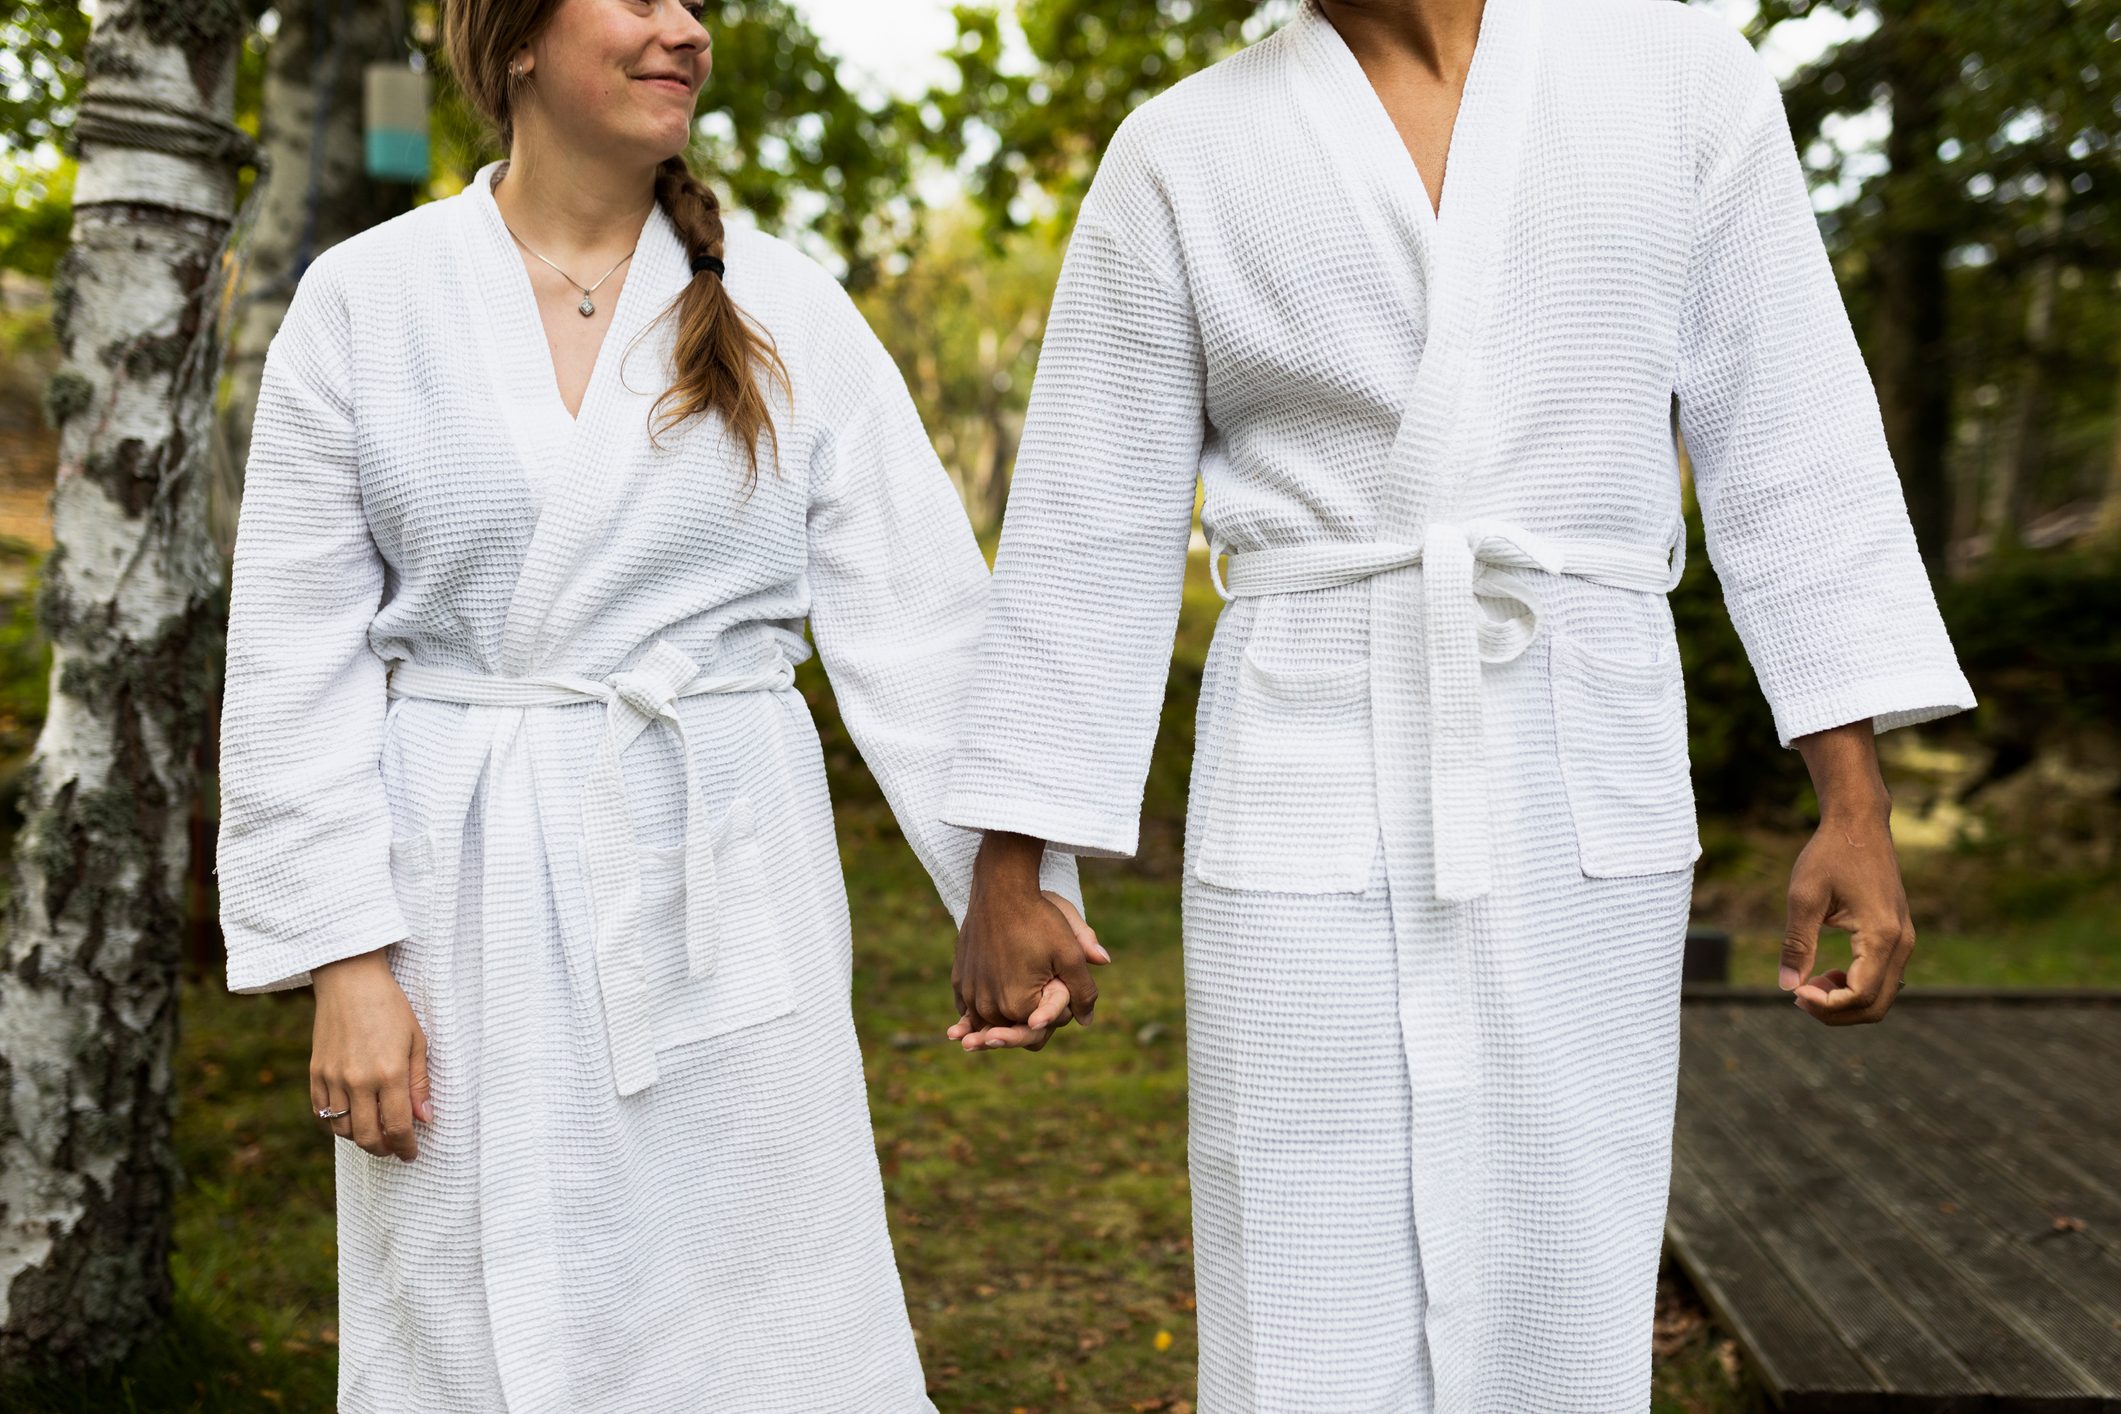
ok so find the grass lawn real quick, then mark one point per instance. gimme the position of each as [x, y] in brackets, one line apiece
[1038, 1202]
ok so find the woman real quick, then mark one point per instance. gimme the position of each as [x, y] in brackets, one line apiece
[545, 481]
[1441, 843]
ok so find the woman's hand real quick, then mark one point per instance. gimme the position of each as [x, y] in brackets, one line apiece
[1015, 941]
[1847, 876]
[1053, 1009]
[368, 1056]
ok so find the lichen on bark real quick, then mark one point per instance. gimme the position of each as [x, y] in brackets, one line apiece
[68, 393]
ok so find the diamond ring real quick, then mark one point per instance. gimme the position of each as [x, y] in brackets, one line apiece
[331, 1114]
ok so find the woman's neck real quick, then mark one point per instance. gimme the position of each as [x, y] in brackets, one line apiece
[572, 207]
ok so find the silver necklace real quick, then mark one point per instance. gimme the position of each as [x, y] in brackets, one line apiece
[588, 306]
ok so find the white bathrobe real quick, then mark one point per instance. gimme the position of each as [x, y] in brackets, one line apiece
[1442, 837]
[650, 1184]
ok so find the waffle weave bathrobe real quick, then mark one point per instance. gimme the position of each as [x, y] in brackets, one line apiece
[1441, 836]
[544, 748]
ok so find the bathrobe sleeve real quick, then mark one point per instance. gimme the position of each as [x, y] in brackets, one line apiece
[1092, 563]
[303, 860]
[899, 591]
[1807, 526]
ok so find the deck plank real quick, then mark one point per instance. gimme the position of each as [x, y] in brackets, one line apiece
[2013, 1129]
[1972, 1218]
[1778, 1201]
[1795, 1350]
[1900, 1185]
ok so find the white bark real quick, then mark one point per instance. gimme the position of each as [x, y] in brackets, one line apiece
[88, 974]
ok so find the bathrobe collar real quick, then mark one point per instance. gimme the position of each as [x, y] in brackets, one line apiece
[587, 465]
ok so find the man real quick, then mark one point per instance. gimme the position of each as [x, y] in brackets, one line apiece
[1441, 844]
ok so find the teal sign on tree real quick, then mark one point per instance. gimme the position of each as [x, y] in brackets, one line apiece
[394, 118]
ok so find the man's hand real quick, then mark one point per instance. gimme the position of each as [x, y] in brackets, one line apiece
[1053, 1010]
[1847, 876]
[1015, 940]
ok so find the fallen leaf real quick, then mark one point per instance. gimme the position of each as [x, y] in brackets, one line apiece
[1163, 1340]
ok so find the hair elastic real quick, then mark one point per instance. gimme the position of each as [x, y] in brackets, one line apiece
[707, 262]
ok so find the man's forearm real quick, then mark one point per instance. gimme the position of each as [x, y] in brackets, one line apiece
[1843, 761]
[1009, 862]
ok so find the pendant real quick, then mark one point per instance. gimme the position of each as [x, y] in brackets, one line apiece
[586, 307]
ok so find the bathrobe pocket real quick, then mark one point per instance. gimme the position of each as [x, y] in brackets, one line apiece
[750, 982]
[1292, 806]
[1621, 729]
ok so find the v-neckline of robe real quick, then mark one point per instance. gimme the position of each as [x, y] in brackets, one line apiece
[1364, 109]
[524, 304]
[586, 465]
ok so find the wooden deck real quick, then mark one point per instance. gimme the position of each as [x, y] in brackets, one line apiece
[1919, 1215]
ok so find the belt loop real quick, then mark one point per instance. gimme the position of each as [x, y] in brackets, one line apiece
[1215, 575]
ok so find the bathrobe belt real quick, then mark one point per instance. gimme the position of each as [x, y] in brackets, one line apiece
[634, 700]
[1456, 560]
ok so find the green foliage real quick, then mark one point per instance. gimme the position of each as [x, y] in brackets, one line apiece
[2036, 635]
[2003, 163]
[36, 215]
[963, 319]
[45, 42]
[793, 144]
[1097, 60]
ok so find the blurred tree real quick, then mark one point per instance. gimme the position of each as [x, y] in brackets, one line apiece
[310, 122]
[42, 47]
[1034, 139]
[130, 603]
[795, 146]
[963, 319]
[1990, 108]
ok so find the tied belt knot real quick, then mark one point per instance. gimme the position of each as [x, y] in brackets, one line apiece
[634, 699]
[1458, 561]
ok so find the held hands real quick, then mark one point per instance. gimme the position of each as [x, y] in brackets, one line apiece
[368, 1056]
[1021, 967]
[1847, 876]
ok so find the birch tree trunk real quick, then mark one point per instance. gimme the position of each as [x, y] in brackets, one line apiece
[94, 928]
